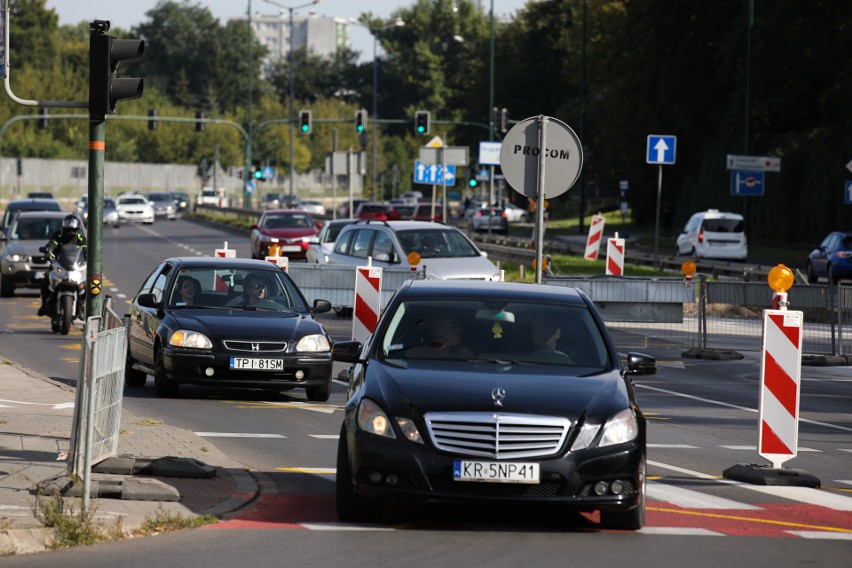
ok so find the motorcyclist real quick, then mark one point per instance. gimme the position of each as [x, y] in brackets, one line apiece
[70, 233]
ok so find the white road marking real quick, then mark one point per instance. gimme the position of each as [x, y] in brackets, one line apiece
[823, 535]
[689, 499]
[673, 446]
[727, 405]
[806, 495]
[754, 448]
[344, 527]
[325, 436]
[681, 531]
[55, 406]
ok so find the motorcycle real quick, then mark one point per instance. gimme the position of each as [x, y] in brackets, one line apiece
[67, 280]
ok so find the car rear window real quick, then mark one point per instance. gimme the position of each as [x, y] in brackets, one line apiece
[724, 225]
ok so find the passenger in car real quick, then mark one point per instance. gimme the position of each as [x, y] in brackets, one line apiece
[188, 289]
[545, 333]
[445, 333]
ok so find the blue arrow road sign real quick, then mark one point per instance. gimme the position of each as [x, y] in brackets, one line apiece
[661, 149]
[434, 174]
[848, 193]
[747, 183]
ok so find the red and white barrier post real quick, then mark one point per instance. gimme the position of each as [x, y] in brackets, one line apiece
[615, 256]
[368, 301]
[780, 387]
[225, 252]
[593, 243]
[275, 258]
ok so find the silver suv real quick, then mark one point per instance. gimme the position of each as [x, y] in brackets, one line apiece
[442, 252]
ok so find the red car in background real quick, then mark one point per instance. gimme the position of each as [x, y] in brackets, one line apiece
[372, 210]
[401, 211]
[290, 229]
[424, 212]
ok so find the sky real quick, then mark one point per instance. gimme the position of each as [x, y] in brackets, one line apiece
[127, 14]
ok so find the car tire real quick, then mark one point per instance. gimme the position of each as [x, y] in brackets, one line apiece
[525, 218]
[812, 277]
[631, 520]
[319, 393]
[7, 288]
[351, 507]
[133, 377]
[162, 385]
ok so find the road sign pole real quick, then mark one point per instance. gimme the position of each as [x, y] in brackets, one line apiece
[657, 228]
[539, 210]
[443, 185]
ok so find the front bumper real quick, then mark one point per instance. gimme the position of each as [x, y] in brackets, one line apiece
[399, 470]
[135, 217]
[25, 274]
[191, 367]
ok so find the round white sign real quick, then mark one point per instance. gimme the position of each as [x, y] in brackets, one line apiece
[520, 154]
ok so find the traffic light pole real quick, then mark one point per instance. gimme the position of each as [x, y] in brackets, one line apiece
[94, 266]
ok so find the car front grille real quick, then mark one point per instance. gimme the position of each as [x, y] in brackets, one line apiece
[497, 435]
[256, 346]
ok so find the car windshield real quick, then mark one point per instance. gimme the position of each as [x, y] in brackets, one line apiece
[230, 288]
[520, 332]
[436, 243]
[160, 197]
[131, 201]
[285, 221]
[109, 203]
[30, 229]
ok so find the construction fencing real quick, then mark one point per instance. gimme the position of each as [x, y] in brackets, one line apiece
[665, 313]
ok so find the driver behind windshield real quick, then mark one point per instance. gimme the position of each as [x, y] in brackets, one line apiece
[70, 234]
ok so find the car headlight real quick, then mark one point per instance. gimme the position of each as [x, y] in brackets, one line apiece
[621, 428]
[372, 419]
[409, 430]
[313, 344]
[15, 257]
[191, 339]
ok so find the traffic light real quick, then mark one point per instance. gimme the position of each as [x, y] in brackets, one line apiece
[473, 182]
[421, 122]
[504, 120]
[152, 119]
[360, 120]
[305, 121]
[42, 120]
[105, 53]
[200, 125]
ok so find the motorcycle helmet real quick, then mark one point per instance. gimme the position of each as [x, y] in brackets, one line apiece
[70, 224]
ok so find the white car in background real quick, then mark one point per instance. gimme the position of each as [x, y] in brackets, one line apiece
[515, 214]
[314, 207]
[134, 208]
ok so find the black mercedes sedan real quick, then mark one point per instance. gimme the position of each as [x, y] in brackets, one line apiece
[492, 391]
[226, 322]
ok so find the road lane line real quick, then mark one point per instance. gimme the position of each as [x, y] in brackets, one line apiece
[689, 499]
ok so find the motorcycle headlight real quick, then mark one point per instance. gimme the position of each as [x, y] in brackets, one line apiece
[313, 344]
[76, 275]
[190, 339]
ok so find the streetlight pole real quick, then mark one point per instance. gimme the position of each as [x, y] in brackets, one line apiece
[399, 22]
[292, 102]
[491, 98]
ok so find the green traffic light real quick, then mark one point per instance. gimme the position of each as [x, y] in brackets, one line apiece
[421, 129]
[258, 174]
[472, 182]
[305, 128]
[360, 128]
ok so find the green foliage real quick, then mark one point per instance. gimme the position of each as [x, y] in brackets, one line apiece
[71, 526]
[622, 72]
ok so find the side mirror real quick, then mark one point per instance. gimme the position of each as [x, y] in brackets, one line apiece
[147, 301]
[321, 306]
[40, 249]
[641, 364]
[346, 351]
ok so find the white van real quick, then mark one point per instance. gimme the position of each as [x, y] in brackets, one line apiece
[714, 234]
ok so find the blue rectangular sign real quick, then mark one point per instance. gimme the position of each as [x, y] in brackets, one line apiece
[747, 183]
[434, 174]
[661, 149]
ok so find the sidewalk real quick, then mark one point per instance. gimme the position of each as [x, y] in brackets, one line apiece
[35, 427]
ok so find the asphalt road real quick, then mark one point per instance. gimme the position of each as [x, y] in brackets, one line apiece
[702, 420]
